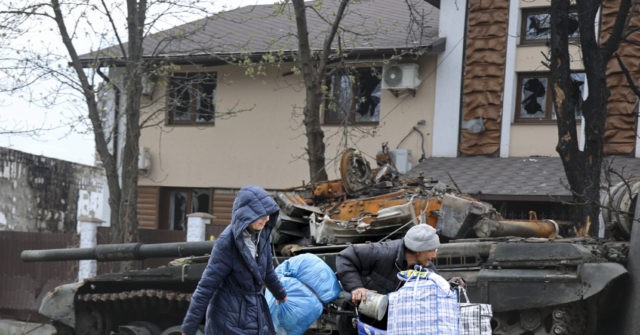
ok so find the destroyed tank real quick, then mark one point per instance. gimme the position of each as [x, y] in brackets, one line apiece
[141, 302]
[536, 281]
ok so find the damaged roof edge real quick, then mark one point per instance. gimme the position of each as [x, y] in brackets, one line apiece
[437, 46]
[522, 197]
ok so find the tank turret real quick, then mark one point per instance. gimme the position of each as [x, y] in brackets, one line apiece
[122, 302]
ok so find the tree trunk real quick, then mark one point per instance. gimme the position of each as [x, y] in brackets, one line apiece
[582, 168]
[123, 184]
[313, 76]
[134, 72]
[315, 136]
[108, 160]
[313, 67]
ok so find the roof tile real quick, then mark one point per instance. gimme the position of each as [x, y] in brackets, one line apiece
[367, 24]
[513, 176]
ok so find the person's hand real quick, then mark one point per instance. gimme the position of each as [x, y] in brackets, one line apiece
[359, 294]
[457, 281]
[283, 300]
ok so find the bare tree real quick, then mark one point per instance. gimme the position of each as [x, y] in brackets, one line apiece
[103, 22]
[326, 62]
[583, 167]
[313, 67]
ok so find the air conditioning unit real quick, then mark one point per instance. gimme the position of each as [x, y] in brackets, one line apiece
[400, 76]
[144, 160]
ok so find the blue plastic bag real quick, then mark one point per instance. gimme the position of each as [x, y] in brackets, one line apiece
[294, 316]
[313, 272]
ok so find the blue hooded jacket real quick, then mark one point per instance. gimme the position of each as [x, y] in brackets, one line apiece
[231, 287]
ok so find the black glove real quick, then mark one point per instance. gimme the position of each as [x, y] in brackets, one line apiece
[456, 281]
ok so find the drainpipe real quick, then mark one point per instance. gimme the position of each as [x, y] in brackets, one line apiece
[510, 89]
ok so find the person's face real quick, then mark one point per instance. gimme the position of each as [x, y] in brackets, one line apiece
[259, 223]
[421, 257]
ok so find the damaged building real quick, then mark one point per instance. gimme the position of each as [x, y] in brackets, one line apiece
[459, 90]
[42, 194]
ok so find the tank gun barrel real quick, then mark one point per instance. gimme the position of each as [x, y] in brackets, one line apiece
[120, 252]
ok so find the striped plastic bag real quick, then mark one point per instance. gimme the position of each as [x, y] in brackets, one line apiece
[426, 304]
[365, 329]
[475, 318]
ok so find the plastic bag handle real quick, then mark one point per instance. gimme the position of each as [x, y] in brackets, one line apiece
[464, 293]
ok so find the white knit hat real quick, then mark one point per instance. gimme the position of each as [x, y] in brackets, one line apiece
[421, 237]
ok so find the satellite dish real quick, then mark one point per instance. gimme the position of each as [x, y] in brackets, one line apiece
[393, 76]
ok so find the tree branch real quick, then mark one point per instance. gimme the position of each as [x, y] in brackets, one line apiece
[326, 49]
[113, 26]
[612, 43]
[627, 75]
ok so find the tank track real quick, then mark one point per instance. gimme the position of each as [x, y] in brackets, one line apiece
[104, 313]
[135, 294]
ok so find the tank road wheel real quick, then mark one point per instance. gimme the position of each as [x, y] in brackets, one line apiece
[569, 319]
[91, 320]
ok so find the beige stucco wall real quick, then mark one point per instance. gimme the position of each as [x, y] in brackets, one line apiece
[265, 143]
[534, 3]
[533, 140]
[536, 139]
[529, 58]
[538, 3]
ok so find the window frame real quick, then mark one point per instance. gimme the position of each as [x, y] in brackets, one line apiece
[168, 212]
[197, 84]
[528, 12]
[351, 119]
[549, 111]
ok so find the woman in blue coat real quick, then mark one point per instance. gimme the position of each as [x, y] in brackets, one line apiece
[231, 287]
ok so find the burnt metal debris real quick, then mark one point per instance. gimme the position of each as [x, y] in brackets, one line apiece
[373, 204]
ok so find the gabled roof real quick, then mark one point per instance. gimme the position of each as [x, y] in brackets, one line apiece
[371, 27]
[513, 178]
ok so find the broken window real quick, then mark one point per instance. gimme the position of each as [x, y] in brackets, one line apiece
[191, 98]
[534, 98]
[178, 203]
[353, 96]
[536, 26]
